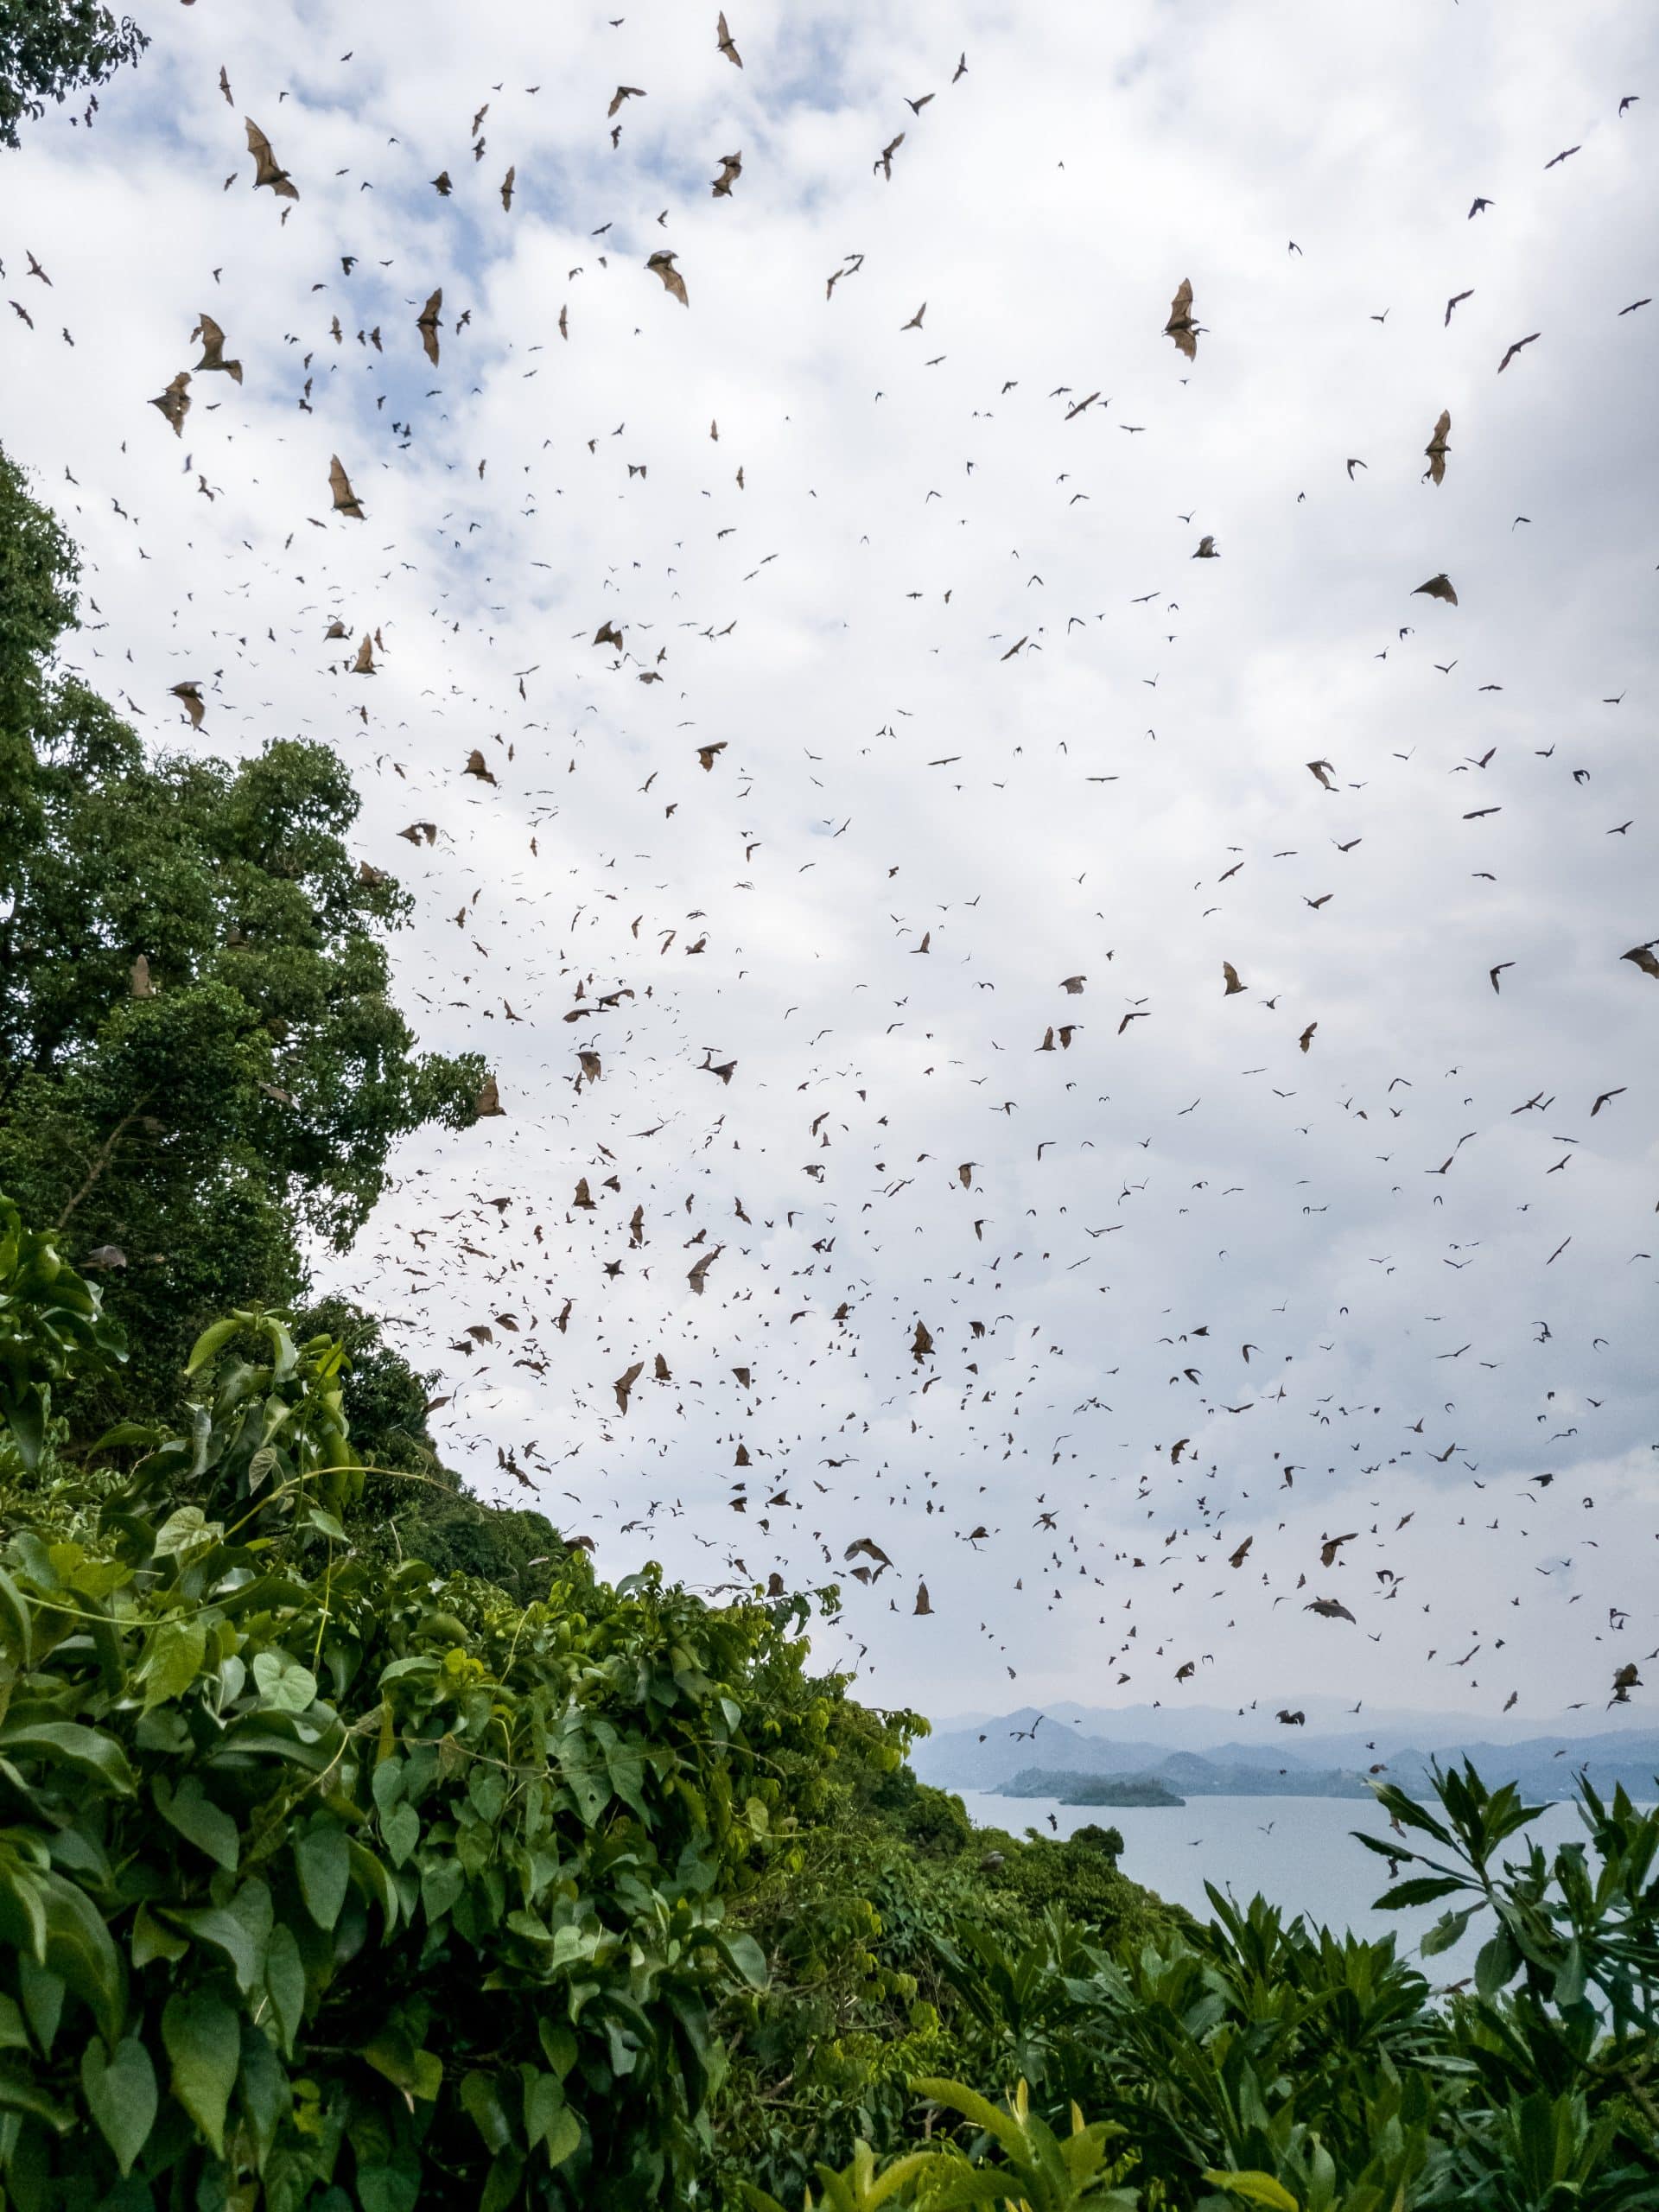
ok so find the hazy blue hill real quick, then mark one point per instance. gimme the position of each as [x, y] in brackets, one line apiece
[1291, 1762]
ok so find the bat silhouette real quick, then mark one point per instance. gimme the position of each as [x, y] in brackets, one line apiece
[346, 500]
[1181, 327]
[265, 167]
[212, 348]
[1436, 448]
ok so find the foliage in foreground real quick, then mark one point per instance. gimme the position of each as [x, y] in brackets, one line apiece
[334, 1885]
[1254, 2061]
[317, 1877]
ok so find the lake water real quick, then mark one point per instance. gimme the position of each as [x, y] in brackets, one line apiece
[1298, 1852]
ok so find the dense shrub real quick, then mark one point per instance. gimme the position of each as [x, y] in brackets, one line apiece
[333, 1883]
[318, 1878]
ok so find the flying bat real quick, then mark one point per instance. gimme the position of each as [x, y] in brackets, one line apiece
[346, 500]
[1181, 327]
[266, 170]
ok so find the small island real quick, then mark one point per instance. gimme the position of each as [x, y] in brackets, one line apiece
[1090, 1789]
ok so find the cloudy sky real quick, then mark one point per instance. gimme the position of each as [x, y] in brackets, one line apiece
[985, 723]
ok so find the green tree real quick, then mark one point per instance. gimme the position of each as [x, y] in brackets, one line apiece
[50, 49]
[198, 1059]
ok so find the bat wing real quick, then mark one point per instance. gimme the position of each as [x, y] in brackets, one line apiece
[1436, 448]
[346, 500]
[266, 169]
[427, 323]
[1180, 325]
[664, 265]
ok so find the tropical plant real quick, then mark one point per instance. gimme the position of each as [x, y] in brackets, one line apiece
[1039, 2168]
[316, 1878]
[51, 1326]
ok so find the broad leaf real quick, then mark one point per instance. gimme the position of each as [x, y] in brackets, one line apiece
[323, 1862]
[204, 2044]
[122, 2095]
[193, 1813]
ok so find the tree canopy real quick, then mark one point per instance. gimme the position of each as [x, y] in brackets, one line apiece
[52, 48]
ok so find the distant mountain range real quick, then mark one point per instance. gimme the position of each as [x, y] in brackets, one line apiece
[1297, 1762]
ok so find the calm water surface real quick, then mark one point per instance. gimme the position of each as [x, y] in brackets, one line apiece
[1298, 1852]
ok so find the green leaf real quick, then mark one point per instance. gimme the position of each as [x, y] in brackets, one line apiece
[402, 1831]
[173, 1660]
[285, 1686]
[1256, 2189]
[1496, 1961]
[1446, 1930]
[122, 2096]
[564, 2138]
[24, 2097]
[969, 2102]
[204, 2044]
[1423, 1891]
[193, 1813]
[212, 1340]
[187, 1530]
[152, 1940]
[16, 1628]
[67, 1743]
[417, 2073]
[42, 1992]
[79, 1948]
[263, 2091]
[25, 1416]
[22, 1912]
[544, 2104]
[220, 1928]
[286, 1982]
[624, 1764]
[501, 2188]
[745, 1957]
[481, 2100]
[1570, 1977]
[972, 2185]
[323, 1862]
[387, 2189]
